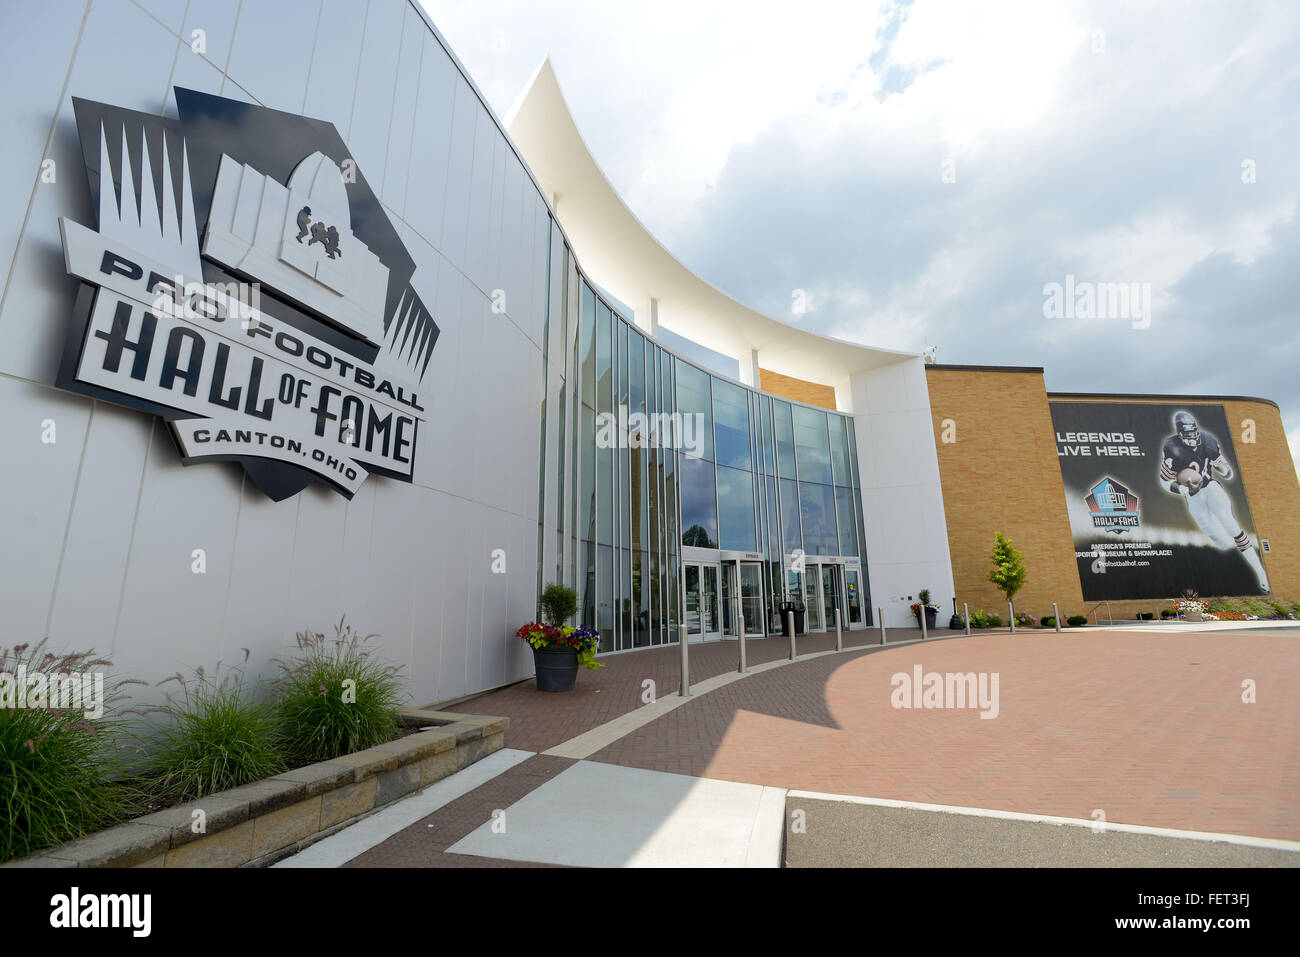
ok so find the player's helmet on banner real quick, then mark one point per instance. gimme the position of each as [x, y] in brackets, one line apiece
[1187, 429]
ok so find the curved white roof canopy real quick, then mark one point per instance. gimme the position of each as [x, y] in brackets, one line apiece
[620, 254]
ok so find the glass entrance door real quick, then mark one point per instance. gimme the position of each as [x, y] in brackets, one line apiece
[853, 596]
[751, 598]
[728, 580]
[701, 601]
[830, 595]
[816, 618]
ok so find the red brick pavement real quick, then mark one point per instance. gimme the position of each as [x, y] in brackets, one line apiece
[1148, 727]
[539, 720]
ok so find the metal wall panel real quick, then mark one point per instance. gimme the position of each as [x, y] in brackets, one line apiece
[261, 57]
[336, 54]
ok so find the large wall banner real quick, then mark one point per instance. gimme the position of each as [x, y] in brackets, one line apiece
[1156, 502]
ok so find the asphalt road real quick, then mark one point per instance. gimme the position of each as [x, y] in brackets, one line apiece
[843, 834]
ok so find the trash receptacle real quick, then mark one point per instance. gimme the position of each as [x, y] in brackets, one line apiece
[798, 609]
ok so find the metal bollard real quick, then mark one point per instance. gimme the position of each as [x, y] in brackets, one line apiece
[839, 633]
[1011, 617]
[880, 613]
[789, 620]
[924, 634]
[965, 611]
[686, 674]
[740, 618]
[1056, 617]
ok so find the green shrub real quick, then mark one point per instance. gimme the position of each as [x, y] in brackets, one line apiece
[336, 697]
[979, 619]
[215, 738]
[1256, 607]
[60, 771]
[1076, 621]
[559, 603]
[1146, 616]
[1008, 572]
[1280, 608]
[1168, 613]
[1049, 621]
[995, 621]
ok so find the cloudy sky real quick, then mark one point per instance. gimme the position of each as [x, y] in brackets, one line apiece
[922, 170]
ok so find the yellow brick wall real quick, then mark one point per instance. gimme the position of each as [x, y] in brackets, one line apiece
[1005, 442]
[1001, 475]
[800, 390]
[1272, 489]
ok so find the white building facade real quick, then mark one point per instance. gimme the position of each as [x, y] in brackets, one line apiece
[403, 425]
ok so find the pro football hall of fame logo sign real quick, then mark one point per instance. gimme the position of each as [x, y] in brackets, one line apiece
[245, 284]
[1114, 508]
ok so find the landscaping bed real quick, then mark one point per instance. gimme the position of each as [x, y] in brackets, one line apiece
[259, 823]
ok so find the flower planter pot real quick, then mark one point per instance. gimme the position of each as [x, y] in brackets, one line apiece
[1195, 616]
[557, 667]
[931, 616]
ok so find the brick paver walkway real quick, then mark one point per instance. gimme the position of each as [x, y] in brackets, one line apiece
[1148, 727]
[539, 720]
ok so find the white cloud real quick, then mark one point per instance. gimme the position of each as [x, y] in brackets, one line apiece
[776, 146]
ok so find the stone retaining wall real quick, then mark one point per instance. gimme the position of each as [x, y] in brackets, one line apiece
[260, 823]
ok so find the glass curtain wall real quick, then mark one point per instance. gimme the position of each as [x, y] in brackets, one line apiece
[655, 453]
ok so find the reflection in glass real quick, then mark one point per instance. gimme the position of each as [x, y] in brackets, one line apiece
[604, 371]
[817, 509]
[751, 597]
[692, 594]
[814, 620]
[727, 581]
[699, 506]
[812, 446]
[840, 451]
[709, 599]
[731, 424]
[845, 519]
[791, 529]
[830, 593]
[693, 399]
[854, 598]
[784, 440]
[587, 346]
[794, 585]
[605, 604]
[736, 509]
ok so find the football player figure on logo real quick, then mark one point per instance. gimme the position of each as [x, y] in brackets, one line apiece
[1194, 466]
